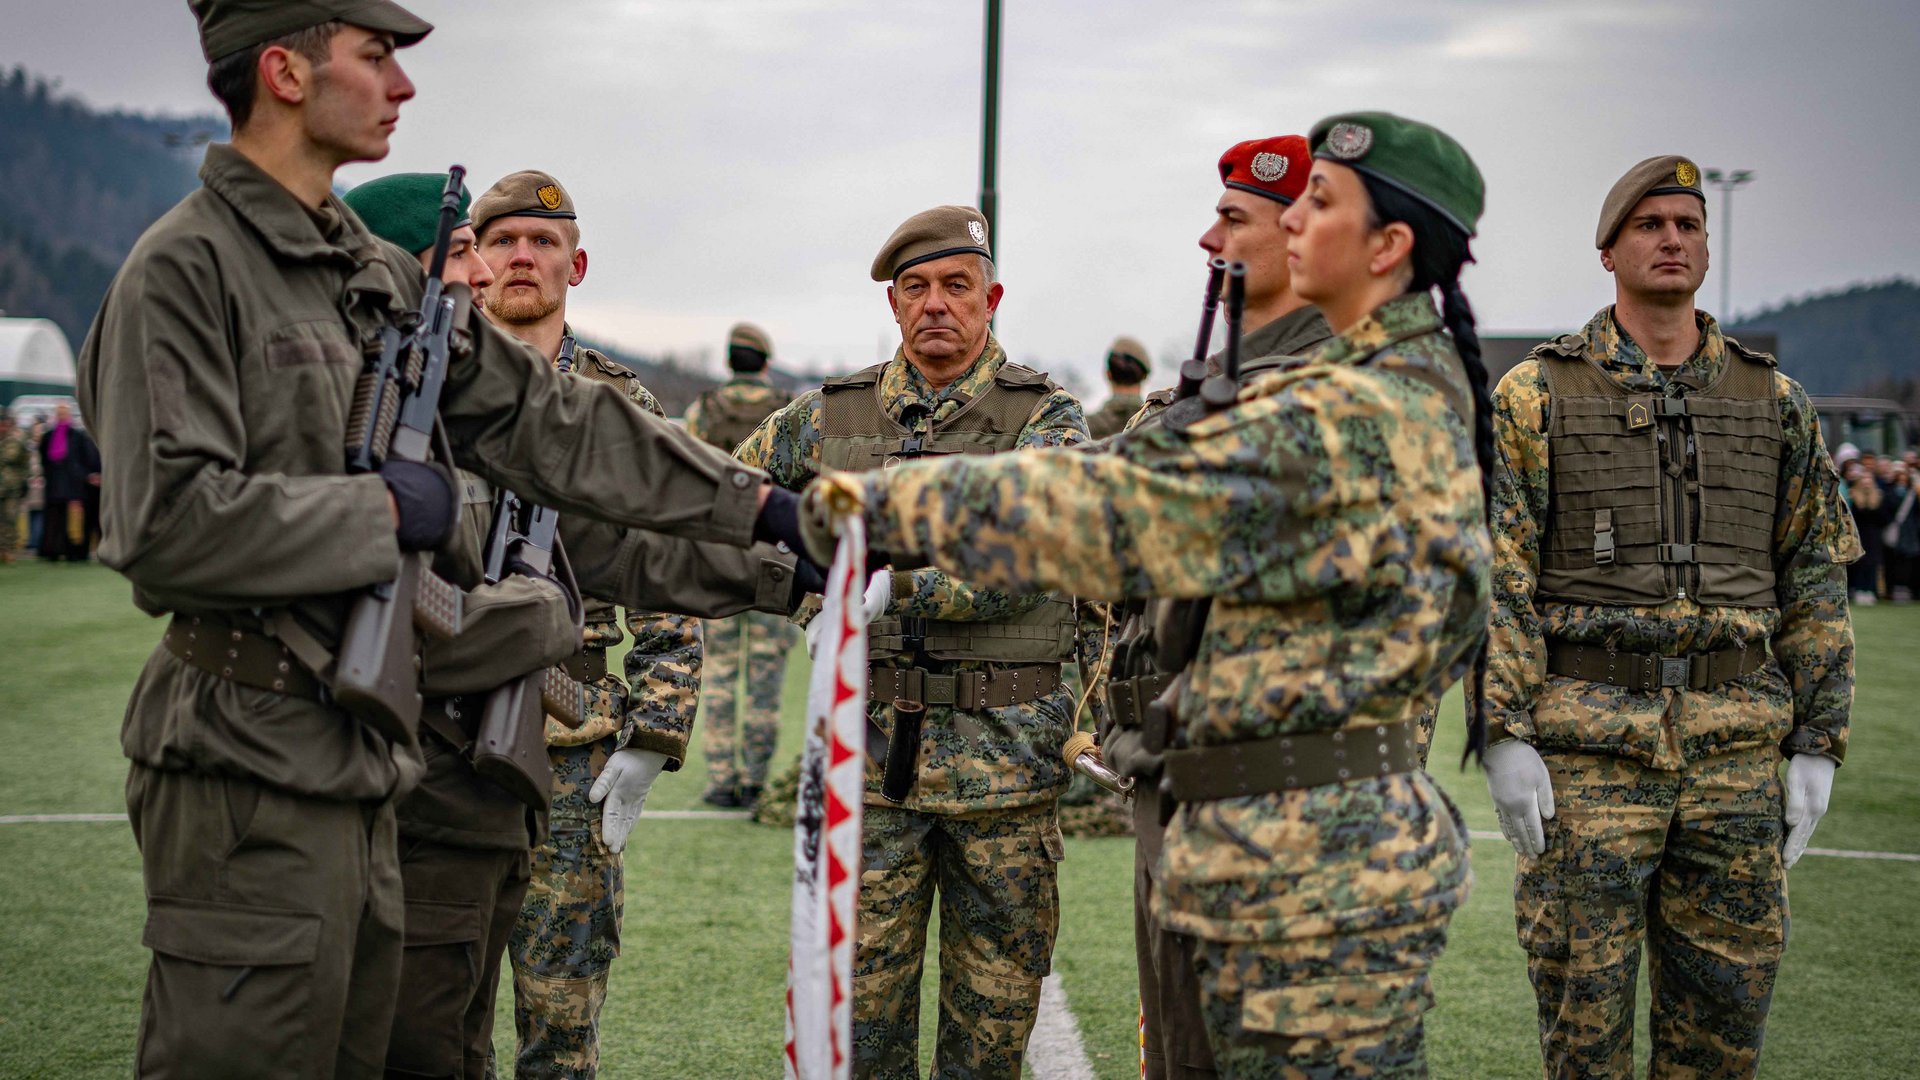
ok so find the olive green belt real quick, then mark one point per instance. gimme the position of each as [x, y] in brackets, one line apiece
[242, 656]
[1127, 700]
[964, 690]
[1651, 671]
[1285, 762]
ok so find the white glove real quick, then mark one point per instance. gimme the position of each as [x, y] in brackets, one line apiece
[624, 784]
[1809, 786]
[1522, 794]
[879, 593]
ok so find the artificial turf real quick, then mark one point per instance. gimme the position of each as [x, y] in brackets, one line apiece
[697, 990]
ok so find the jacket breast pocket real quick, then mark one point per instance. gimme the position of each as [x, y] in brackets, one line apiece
[299, 396]
[229, 991]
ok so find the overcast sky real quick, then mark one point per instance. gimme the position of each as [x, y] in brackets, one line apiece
[744, 159]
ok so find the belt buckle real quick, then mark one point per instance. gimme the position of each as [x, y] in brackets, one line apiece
[939, 689]
[1674, 671]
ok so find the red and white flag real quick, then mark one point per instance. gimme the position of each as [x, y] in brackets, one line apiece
[826, 829]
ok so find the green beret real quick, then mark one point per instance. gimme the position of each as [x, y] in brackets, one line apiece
[1669, 174]
[404, 208]
[528, 193]
[748, 336]
[1127, 360]
[1416, 158]
[932, 234]
[227, 26]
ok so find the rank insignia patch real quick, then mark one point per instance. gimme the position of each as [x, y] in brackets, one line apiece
[1638, 415]
[1269, 167]
[1349, 142]
[549, 197]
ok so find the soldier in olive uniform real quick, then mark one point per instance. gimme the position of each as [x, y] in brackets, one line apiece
[978, 824]
[569, 931]
[218, 376]
[1313, 861]
[741, 728]
[1127, 368]
[16, 468]
[1261, 178]
[1669, 623]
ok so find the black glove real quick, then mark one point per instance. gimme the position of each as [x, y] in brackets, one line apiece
[808, 578]
[779, 521]
[425, 496]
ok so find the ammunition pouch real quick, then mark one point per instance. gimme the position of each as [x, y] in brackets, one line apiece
[1648, 672]
[1287, 762]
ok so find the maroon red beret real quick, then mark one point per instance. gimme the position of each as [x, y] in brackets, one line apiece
[1276, 167]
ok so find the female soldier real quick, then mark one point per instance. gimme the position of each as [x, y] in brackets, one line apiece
[1334, 515]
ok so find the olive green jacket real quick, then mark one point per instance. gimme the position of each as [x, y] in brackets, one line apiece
[218, 376]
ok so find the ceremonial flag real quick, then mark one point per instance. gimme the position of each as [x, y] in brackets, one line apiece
[826, 829]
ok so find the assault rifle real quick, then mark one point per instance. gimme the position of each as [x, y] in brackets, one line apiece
[377, 676]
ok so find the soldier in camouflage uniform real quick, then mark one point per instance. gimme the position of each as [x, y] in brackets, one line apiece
[1334, 515]
[1668, 624]
[569, 928]
[978, 824]
[16, 467]
[741, 728]
[1127, 368]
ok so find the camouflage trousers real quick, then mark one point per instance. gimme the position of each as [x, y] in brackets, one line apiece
[741, 727]
[1690, 863]
[9, 526]
[568, 932]
[995, 873]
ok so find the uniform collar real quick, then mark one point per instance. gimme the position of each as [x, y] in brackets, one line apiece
[903, 387]
[1409, 315]
[1622, 357]
[289, 227]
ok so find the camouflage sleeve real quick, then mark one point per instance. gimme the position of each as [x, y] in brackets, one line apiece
[935, 594]
[694, 422]
[1253, 504]
[787, 444]
[663, 671]
[1813, 539]
[1516, 646]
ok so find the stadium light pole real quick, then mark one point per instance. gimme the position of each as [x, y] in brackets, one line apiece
[1728, 182]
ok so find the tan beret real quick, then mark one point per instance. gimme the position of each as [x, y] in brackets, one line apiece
[932, 234]
[1669, 174]
[750, 336]
[528, 193]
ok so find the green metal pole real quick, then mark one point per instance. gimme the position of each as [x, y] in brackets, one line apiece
[990, 129]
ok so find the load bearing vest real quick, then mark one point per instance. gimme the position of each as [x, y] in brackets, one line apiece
[857, 434]
[729, 418]
[1659, 497]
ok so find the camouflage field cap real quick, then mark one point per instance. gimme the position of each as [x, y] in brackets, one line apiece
[1276, 168]
[404, 208]
[527, 193]
[1669, 174]
[227, 26]
[1127, 360]
[1416, 158]
[932, 234]
[748, 336]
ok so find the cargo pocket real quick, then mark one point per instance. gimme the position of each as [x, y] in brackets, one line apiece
[228, 993]
[439, 974]
[1345, 1014]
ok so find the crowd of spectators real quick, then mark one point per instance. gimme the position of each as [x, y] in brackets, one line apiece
[1879, 489]
[53, 488]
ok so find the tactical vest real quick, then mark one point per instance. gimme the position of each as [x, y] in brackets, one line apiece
[857, 434]
[1657, 498]
[726, 421]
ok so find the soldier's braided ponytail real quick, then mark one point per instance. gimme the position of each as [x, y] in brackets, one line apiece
[1440, 251]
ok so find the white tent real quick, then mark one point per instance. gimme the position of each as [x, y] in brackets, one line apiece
[34, 359]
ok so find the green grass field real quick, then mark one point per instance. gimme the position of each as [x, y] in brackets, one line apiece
[697, 991]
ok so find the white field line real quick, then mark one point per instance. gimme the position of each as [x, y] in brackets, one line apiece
[1056, 1051]
[742, 815]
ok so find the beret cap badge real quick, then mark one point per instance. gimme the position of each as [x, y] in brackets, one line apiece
[549, 197]
[1349, 142]
[977, 231]
[1686, 174]
[1269, 167]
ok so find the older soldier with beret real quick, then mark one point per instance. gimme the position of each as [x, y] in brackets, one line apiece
[1670, 622]
[219, 376]
[742, 722]
[569, 931]
[1127, 368]
[976, 823]
[1333, 514]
